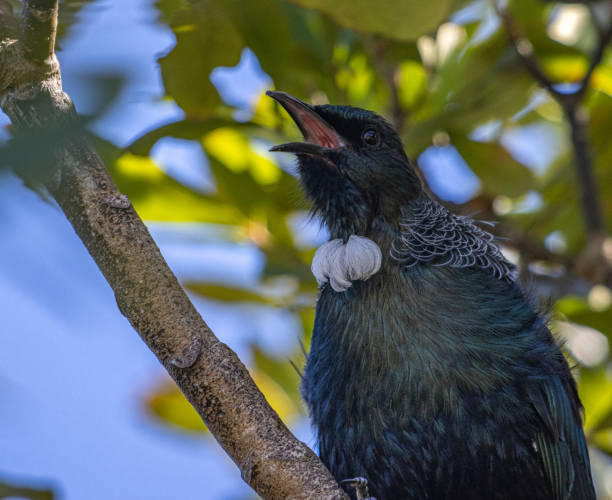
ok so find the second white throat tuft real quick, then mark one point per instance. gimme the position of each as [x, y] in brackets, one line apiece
[341, 263]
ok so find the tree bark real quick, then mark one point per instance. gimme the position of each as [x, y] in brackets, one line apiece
[272, 461]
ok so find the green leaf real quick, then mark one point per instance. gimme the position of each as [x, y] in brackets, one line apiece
[293, 46]
[157, 197]
[248, 182]
[296, 52]
[412, 83]
[577, 310]
[14, 491]
[565, 67]
[282, 372]
[226, 293]
[167, 403]
[531, 18]
[600, 109]
[206, 37]
[399, 19]
[562, 210]
[602, 440]
[497, 170]
[595, 389]
[282, 260]
[68, 15]
[473, 86]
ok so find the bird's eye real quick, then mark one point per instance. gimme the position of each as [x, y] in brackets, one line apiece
[370, 136]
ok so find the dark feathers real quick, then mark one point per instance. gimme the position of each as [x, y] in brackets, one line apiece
[435, 378]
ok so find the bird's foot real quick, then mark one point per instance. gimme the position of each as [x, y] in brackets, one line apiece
[361, 487]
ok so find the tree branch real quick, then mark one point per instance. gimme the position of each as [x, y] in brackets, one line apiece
[38, 29]
[213, 379]
[570, 103]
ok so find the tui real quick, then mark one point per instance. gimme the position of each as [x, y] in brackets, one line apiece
[430, 372]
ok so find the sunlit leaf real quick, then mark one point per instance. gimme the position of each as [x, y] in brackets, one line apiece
[602, 78]
[283, 372]
[565, 68]
[226, 293]
[411, 82]
[603, 440]
[167, 403]
[234, 151]
[595, 388]
[157, 197]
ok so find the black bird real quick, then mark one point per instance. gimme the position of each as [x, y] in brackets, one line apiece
[430, 372]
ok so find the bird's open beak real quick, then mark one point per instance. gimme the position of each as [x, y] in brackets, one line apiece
[319, 136]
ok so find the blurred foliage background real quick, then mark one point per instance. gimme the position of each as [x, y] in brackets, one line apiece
[463, 81]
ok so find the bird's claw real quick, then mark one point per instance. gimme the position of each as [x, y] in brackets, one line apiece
[360, 484]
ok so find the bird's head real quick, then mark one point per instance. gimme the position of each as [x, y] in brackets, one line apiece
[352, 165]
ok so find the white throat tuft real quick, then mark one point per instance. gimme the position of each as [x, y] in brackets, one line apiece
[340, 264]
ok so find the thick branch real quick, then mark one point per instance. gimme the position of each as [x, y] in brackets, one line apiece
[271, 460]
[39, 26]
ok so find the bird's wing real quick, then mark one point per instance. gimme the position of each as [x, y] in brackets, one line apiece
[561, 444]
